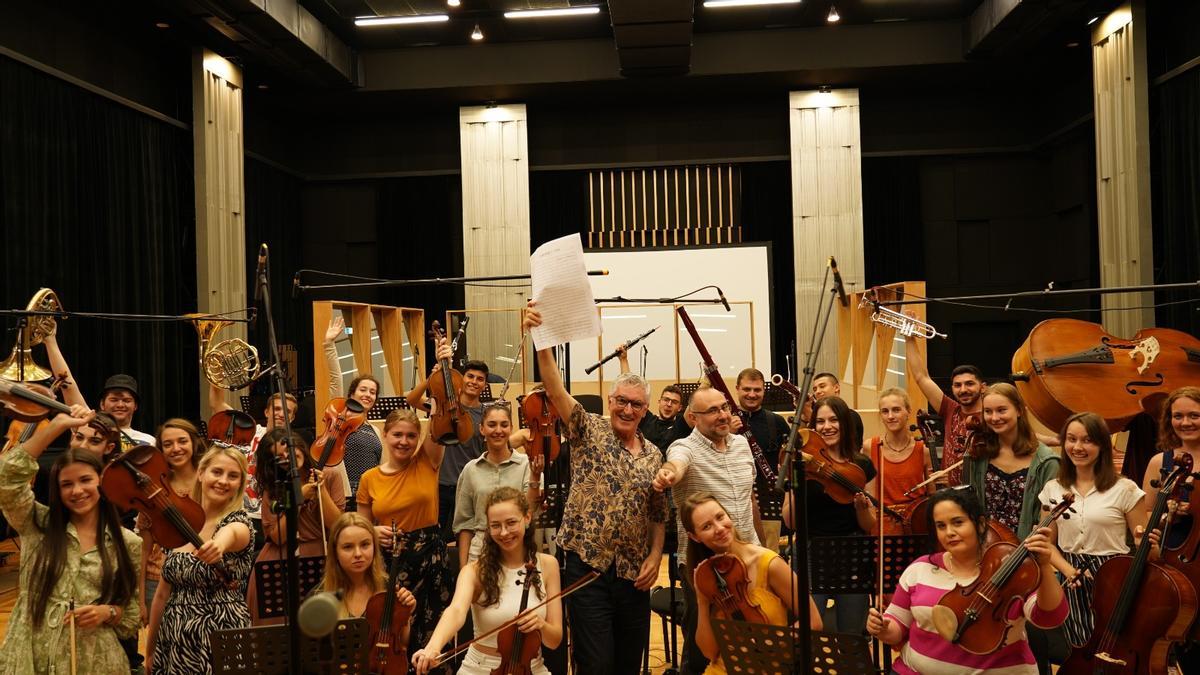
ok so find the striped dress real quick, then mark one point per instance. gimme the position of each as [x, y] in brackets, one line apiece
[925, 652]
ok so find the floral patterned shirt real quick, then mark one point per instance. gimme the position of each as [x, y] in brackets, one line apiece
[611, 504]
[1005, 494]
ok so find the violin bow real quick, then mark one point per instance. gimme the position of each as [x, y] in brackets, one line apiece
[882, 465]
[580, 583]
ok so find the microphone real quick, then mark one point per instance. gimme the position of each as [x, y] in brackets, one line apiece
[261, 273]
[319, 614]
[837, 283]
[725, 302]
[296, 286]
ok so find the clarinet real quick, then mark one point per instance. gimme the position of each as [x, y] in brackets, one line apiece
[715, 381]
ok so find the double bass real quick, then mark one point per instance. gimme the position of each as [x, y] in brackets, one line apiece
[1067, 366]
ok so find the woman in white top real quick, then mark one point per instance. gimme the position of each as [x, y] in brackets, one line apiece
[1105, 509]
[491, 588]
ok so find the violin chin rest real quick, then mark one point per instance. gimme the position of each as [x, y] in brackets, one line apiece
[945, 621]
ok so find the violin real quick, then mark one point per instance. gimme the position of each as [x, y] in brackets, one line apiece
[28, 402]
[517, 649]
[343, 416]
[544, 422]
[20, 432]
[1141, 607]
[387, 618]
[841, 480]
[975, 616]
[450, 423]
[723, 579]
[139, 479]
[231, 427]
[1068, 365]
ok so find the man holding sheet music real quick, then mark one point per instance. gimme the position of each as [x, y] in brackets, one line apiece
[613, 521]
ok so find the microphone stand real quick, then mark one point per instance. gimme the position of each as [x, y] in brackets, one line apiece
[791, 479]
[287, 489]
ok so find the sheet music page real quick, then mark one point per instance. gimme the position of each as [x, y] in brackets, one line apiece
[563, 293]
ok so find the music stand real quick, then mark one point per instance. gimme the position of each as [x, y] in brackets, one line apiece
[264, 650]
[770, 502]
[754, 648]
[270, 579]
[384, 405]
[850, 564]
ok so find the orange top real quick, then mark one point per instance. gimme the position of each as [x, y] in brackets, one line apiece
[409, 495]
[898, 477]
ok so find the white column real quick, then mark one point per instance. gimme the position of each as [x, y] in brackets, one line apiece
[220, 201]
[826, 207]
[1123, 165]
[495, 181]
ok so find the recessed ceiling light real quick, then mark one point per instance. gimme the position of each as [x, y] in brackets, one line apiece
[264, 86]
[747, 3]
[476, 34]
[1072, 44]
[537, 13]
[162, 24]
[453, 3]
[1093, 20]
[833, 17]
[400, 20]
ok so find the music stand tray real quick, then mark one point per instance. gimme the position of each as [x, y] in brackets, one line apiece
[850, 564]
[264, 650]
[270, 579]
[764, 649]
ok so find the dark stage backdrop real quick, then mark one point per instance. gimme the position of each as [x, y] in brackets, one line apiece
[96, 203]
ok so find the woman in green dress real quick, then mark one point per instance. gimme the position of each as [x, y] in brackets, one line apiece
[73, 550]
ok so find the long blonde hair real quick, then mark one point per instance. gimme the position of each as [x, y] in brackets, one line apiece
[335, 577]
[238, 499]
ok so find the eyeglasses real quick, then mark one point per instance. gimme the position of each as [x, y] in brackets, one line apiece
[715, 410]
[622, 402]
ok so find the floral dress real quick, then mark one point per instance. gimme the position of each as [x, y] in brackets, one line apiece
[46, 649]
[201, 603]
[1005, 494]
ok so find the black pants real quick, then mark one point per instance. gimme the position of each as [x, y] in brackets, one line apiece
[446, 495]
[694, 661]
[609, 619]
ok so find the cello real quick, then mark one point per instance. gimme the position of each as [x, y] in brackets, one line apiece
[387, 618]
[1141, 606]
[1067, 365]
[517, 649]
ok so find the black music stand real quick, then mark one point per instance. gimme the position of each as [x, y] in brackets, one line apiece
[770, 502]
[754, 648]
[270, 582]
[264, 650]
[384, 405]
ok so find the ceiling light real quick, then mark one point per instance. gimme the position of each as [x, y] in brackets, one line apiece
[833, 17]
[1093, 20]
[476, 34]
[537, 13]
[162, 24]
[747, 3]
[453, 3]
[824, 89]
[400, 20]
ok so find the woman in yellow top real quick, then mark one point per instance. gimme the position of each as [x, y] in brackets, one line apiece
[772, 583]
[402, 492]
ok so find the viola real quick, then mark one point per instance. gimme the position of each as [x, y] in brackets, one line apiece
[387, 618]
[450, 423]
[544, 422]
[517, 649]
[723, 579]
[139, 479]
[1141, 607]
[841, 480]
[343, 416]
[975, 616]
[1068, 365]
[231, 427]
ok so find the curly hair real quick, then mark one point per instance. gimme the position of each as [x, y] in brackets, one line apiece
[488, 565]
[267, 469]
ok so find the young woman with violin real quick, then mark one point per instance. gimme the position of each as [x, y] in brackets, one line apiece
[324, 498]
[402, 492]
[181, 445]
[364, 447]
[354, 568]
[908, 624]
[73, 551]
[491, 589]
[204, 589]
[908, 459]
[1107, 508]
[499, 466]
[828, 517]
[764, 581]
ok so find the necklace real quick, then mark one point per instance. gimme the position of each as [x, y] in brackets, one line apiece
[895, 449]
[950, 564]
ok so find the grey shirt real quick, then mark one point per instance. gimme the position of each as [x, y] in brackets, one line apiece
[458, 456]
[728, 474]
[477, 482]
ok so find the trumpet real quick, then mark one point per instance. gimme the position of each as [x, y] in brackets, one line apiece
[20, 366]
[904, 324]
[231, 364]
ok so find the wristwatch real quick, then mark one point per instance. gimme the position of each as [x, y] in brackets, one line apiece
[112, 614]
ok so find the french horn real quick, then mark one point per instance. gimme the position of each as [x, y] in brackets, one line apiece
[231, 364]
[20, 366]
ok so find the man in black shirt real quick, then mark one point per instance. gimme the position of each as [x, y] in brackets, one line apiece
[659, 429]
[771, 432]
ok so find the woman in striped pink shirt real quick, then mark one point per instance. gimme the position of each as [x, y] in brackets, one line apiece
[958, 520]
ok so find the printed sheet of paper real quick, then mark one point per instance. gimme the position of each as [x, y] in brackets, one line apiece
[563, 293]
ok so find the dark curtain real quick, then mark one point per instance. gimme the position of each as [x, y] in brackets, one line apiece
[1175, 178]
[766, 216]
[96, 203]
[558, 206]
[893, 249]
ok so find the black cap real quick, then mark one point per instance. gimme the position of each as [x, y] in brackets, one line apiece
[121, 381]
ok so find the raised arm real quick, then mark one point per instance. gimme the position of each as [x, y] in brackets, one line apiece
[58, 365]
[336, 326]
[551, 378]
[918, 370]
